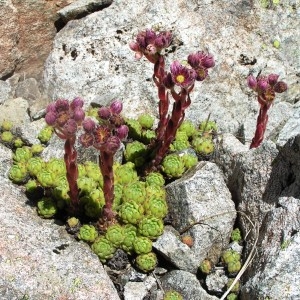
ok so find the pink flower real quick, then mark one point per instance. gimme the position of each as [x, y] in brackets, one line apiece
[116, 107]
[104, 113]
[181, 75]
[200, 62]
[122, 132]
[88, 125]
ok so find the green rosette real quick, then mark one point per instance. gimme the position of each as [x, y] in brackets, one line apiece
[156, 207]
[115, 234]
[129, 237]
[146, 121]
[87, 233]
[103, 248]
[131, 212]
[18, 173]
[22, 154]
[142, 245]
[125, 174]
[172, 295]
[134, 191]
[188, 128]
[151, 227]
[35, 165]
[146, 262]
[135, 152]
[173, 166]
[46, 207]
[45, 134]
[155, 178]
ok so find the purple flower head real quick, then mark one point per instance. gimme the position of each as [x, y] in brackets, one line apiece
[144, 38]
[113, 144]
[104, 113]
[272, 79]
[262, 84]
[252, 82]
[62, 105]
[201, 73]
[116, 107]
[70, 127]
[116, 120]
[181, 75]
[62, 119]
[88, 125]
[101, 134]
[201, 59]
[78, 115]
[51, 107]
[122, 132]
[280, 87]
[76, 102]
[163, 40]
[50, 118]
[86, 139]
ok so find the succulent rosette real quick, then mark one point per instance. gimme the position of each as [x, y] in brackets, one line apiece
[18, 173]
[118, 192]
[156, 207]
[129, 237]
[31, 186]
[46, 207]
[81, 170]
[86, 185]
[18, 143]
[6, 136]
[234, 267]
[155, 191]
[189, 160]
[115, 234]
[208, 126]
[135, 152]
[142, 245]
[146, 121]
[87, 233]
[6, 125]
[61, 181]
[125, 174]
[147, 136]
[56, 167]
[146, 262]
[61, 194]
[151, 227]
[35, 165]
[179, 145]
[134, 191]
[131, 212]
[93, 171]
[45, 178]
[37, 149]
[230, 256]
[203, 146]
[187, 127]
[172, 295]
[236, 235]
[45, 134]
[155, 178]
[181, 136]
[22, 154]
[173, 166]
[103, 248]
[206, 266]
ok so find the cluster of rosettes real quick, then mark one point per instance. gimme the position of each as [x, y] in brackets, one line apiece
[65, 116]
[107, 135]
[149, 43]
[266, 87]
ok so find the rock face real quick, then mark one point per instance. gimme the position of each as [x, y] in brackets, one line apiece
[27, 30]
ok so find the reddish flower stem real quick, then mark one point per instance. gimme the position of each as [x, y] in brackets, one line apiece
[106, 161]
[70, 158]
[261, 125]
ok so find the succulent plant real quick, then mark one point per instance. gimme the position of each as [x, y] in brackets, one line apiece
[131, 212]
[6, 136]
[234, 266]
[155, 178]
[151, 227]
[87, 233]
[208, 126]
[103, 248]
[236, 235]
[172, 295]
[73, 222]
[203, 146]
[45, 134]
[31, 186]
[46, 207]
[146, 262]
[142, 245]
[37, 148]
[135, 128]
[6, 125]
[81, 170]
[156, 207]
[86, 185]
[146, 121]
[115, 234]
[56, 167]
[18, 143]
[155, 191]
[147, 136]
[230, 256]
[125, 174]
[189, 160]
[118, 192]
[61, 194]
[179, 145]
[61, 181]
[187, 127]
[135, 152]
[232, 296]
[173, 166]
[129, 237]
[45, 178]
[206, 266]
[35, 165]
[22, 154]
[93, 171]
[235, 288]
[18, 173]
[134, 191]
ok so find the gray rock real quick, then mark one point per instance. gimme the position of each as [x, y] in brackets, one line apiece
[81, 8]
[39, 259]
[275, 273]
[186, 284]
[199, 197]
[4, 91]
[216, 281]
[91, 57]
[138, 290]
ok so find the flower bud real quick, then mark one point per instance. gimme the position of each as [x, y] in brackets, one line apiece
[62, 105]
[280, 87]
[262, 84]
[76, 103]
[50, 118]
[88, 125]
[51, 107]
[113, 144]
[79, 115]
[134, 46]
[116, 107]
[122, 132]
[70, 127]
[272, 79]
[86, 140]
[208, 61]
[104, 113]
[252, 82]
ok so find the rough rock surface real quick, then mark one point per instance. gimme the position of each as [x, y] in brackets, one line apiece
[200, 197]
[91, 57]
[27, 29]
